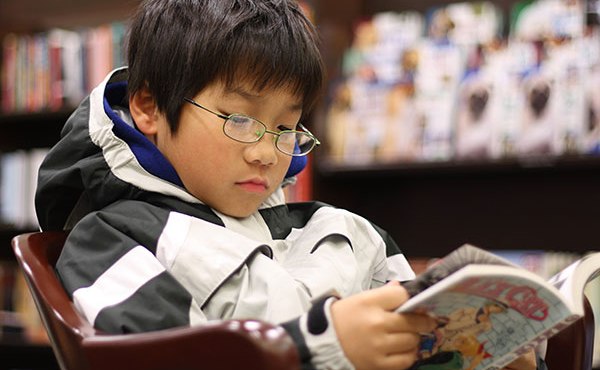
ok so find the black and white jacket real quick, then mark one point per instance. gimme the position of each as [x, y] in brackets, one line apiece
[144, 254]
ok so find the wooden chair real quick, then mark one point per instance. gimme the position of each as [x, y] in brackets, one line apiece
[573, 348]
[234, 344]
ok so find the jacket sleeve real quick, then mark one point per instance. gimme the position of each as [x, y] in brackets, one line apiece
[116, 281]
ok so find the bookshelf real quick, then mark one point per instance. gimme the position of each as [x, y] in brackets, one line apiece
[547, 203]
[27, 130]
[22, 355]
[537, 202]
[429, 208]
[31, 130]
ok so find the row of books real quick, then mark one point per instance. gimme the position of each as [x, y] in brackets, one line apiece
[57, 68]
[18, 179]
[449, 85]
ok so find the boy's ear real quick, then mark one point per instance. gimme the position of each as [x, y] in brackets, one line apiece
[144, 111]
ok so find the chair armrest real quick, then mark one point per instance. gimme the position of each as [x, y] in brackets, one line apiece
[233, 344]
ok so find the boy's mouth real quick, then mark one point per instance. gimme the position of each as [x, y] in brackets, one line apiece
[254, 185]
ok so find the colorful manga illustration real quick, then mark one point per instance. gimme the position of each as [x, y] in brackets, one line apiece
[455, 343]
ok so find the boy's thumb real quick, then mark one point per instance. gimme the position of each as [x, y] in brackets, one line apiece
[391, 295]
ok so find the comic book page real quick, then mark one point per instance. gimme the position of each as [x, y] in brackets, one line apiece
[571, 281]
[459, 258]
[487, 317]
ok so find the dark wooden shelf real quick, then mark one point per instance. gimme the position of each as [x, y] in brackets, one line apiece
[35, 117]
[375, 6]
[20, 355]
[17, 351]
[7, 232]
[548, 203]
[31, 130]
[505, 166]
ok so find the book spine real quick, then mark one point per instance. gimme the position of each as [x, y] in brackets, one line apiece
[56, 72]
[9, 70]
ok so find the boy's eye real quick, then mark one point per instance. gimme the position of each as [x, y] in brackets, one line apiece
[239, 119]
[285, 128]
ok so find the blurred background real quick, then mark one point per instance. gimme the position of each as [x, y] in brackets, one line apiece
[443, 122]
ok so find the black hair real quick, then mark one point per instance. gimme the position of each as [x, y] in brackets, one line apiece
[178, 47]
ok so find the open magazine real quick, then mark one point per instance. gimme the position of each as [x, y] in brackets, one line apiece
[491, 311]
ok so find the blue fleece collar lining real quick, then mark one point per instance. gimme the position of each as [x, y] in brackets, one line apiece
[147, 154]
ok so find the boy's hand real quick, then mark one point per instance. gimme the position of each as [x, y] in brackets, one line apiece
[525, 362]
[374, 337]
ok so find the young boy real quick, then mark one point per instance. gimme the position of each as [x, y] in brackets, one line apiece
[170, 176]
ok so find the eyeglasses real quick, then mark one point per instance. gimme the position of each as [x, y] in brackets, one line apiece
[245, 129]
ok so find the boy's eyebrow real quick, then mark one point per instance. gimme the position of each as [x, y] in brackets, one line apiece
[296, 107]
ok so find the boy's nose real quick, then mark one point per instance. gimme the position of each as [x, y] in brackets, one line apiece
[263, 151]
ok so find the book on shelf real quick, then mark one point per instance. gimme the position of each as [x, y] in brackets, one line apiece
[18, 182]
[491, 311]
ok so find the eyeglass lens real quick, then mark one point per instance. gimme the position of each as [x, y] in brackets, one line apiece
[245, 129]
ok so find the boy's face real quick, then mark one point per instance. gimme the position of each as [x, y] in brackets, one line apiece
[231, 177]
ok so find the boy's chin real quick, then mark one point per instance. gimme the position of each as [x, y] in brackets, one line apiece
[241, 212]
[239, 215]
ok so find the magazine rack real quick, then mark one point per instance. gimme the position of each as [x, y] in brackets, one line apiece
[234, 344]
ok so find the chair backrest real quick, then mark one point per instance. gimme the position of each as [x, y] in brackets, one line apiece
[234, 344]
[573, 348]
